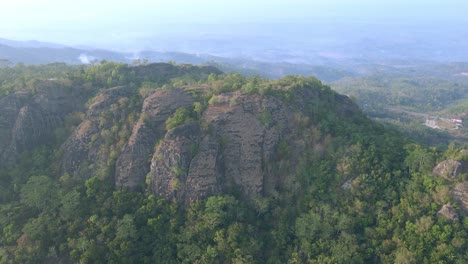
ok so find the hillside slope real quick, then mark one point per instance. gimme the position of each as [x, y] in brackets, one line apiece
[183, 164]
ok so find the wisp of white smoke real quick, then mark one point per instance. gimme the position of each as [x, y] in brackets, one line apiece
[85, 59]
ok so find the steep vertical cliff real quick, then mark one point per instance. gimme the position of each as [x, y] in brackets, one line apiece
[119, 131]
[29, 118]
[90, 147]
[134, 160]
[238, 143]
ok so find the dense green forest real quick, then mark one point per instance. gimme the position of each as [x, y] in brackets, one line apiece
[407, 97]
[363, 193]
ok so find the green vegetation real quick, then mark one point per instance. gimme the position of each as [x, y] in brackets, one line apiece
[421, 94]
[98, 76]
[387, 215]
[265, 117]
[407, 98]
[181, 116]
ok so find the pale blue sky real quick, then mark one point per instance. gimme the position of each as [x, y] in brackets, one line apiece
[84, 21]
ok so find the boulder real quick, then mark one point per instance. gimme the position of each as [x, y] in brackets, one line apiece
[460, 194]
[450, 168]
[448, 212]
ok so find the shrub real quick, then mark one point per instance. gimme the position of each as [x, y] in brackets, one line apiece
[181, 116]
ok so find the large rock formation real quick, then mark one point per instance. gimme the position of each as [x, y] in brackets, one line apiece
[133, 163]
[450, 168]
[10, 108]
[460, 194]
[448, 212]
[93, 146]
[83, 152]
[234, 146]
[173, 159]
[235, 149]
[29, 119]
[248, 143]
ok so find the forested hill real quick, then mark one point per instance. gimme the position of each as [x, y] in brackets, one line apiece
[165, 163]
[408, 97]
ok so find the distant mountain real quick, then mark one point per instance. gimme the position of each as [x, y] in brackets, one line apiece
[43, 54]
[271, 63]
[35, 52]
[250, 67]
[29, 44]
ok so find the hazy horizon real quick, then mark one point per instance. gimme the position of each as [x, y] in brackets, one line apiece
[244, 28]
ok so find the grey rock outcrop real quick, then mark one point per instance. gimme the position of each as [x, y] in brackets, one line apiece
[448, 212]
[450, 168]
[81, 151]
[236, 149]
[460, 194]
[133, 163]
[29, 119]
[248, 143]
[10, 108]
[171, 171]
[244, 143]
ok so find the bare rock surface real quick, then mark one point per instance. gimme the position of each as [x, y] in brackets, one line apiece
[234, 151]
[247, 143]
[448, 212]
[29, 119]
[134, 162]
[82, 151]
[172, 160]
[460, 194]
[450, 168]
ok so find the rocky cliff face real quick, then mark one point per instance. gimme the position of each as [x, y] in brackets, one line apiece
[118, 141]
[236, 145]
[86, 150]
[241, 142]
[10, 108]
[29, 119]
[235, 148]
[134, 161]
[450, 168]
[460, 193]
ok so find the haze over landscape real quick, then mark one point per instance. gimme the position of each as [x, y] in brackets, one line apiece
[243, 132]
[268, 30]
